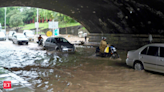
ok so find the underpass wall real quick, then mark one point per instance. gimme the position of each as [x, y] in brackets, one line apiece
[127, 41]
[67, 30]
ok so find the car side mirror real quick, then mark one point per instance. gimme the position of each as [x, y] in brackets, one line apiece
[139, 53]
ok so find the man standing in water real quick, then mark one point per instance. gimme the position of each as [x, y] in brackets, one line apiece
[150, 38]
[85, 36]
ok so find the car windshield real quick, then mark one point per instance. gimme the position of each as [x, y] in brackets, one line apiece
[30, 33]
[61, 40]
[21, 36]
[11, 32]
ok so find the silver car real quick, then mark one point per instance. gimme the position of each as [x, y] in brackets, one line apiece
[59, 43]
[19, 39]
[149, 57]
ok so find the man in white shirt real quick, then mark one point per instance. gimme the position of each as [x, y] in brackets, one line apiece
[150, 38]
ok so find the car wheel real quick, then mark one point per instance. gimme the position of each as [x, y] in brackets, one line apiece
[97, 54]
[57, 49]
[18, 43]
[44, 48]
[26, 43]
[138, 66]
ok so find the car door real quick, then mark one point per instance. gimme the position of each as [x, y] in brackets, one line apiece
[53, 44]
[47, 42]
[160, 60]
[150, 57]
[14, 38]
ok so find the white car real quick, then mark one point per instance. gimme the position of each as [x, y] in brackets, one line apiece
[19, 39]
[82, 34]
[29, 34]
[2, 36]
[149, 57]
[10, 34]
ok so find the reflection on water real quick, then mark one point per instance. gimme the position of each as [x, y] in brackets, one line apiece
[42, 69]
[81, 71]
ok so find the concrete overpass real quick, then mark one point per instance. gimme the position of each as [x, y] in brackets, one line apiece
[107, 16]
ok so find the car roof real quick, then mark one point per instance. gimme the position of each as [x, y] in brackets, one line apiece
[152, 44]
[56, 37]
[2, 32]
[27, 31]
[156, 44]
[12, 31]
[18, 34]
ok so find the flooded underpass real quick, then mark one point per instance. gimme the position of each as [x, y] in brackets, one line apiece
[31, 69]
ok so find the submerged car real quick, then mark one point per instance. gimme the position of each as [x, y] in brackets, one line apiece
[59, 43]
[19, 39]
[2, 36]
[10, 34]
[149, 57]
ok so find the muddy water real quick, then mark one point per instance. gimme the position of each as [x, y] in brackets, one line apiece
[49, 71]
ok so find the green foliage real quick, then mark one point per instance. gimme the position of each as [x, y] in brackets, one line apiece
[45, 25]
[16, 20]
[42, 33]
[18, 16]
[83, 28]
[28, 13]
[32, 26]
[2, 13]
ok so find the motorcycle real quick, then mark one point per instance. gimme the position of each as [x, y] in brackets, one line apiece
[112, 52]
[40, 43]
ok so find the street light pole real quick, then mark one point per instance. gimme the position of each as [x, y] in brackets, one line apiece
[37, 21]
[5, 18]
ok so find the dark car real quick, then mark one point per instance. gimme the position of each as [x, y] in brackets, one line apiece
[58, 43]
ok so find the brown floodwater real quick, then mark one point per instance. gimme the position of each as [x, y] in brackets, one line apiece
[82, 71]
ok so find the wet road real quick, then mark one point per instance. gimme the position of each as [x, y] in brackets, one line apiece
[32, 69]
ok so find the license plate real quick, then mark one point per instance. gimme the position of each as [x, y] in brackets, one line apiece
[65, 48]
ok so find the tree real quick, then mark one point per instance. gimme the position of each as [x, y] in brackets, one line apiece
[28, 14]
[2, 15]
[22, 15]
[16, 20]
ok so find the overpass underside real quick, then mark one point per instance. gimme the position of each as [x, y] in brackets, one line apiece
[106, 16]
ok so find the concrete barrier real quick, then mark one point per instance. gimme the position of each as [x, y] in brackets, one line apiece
[126, 41]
